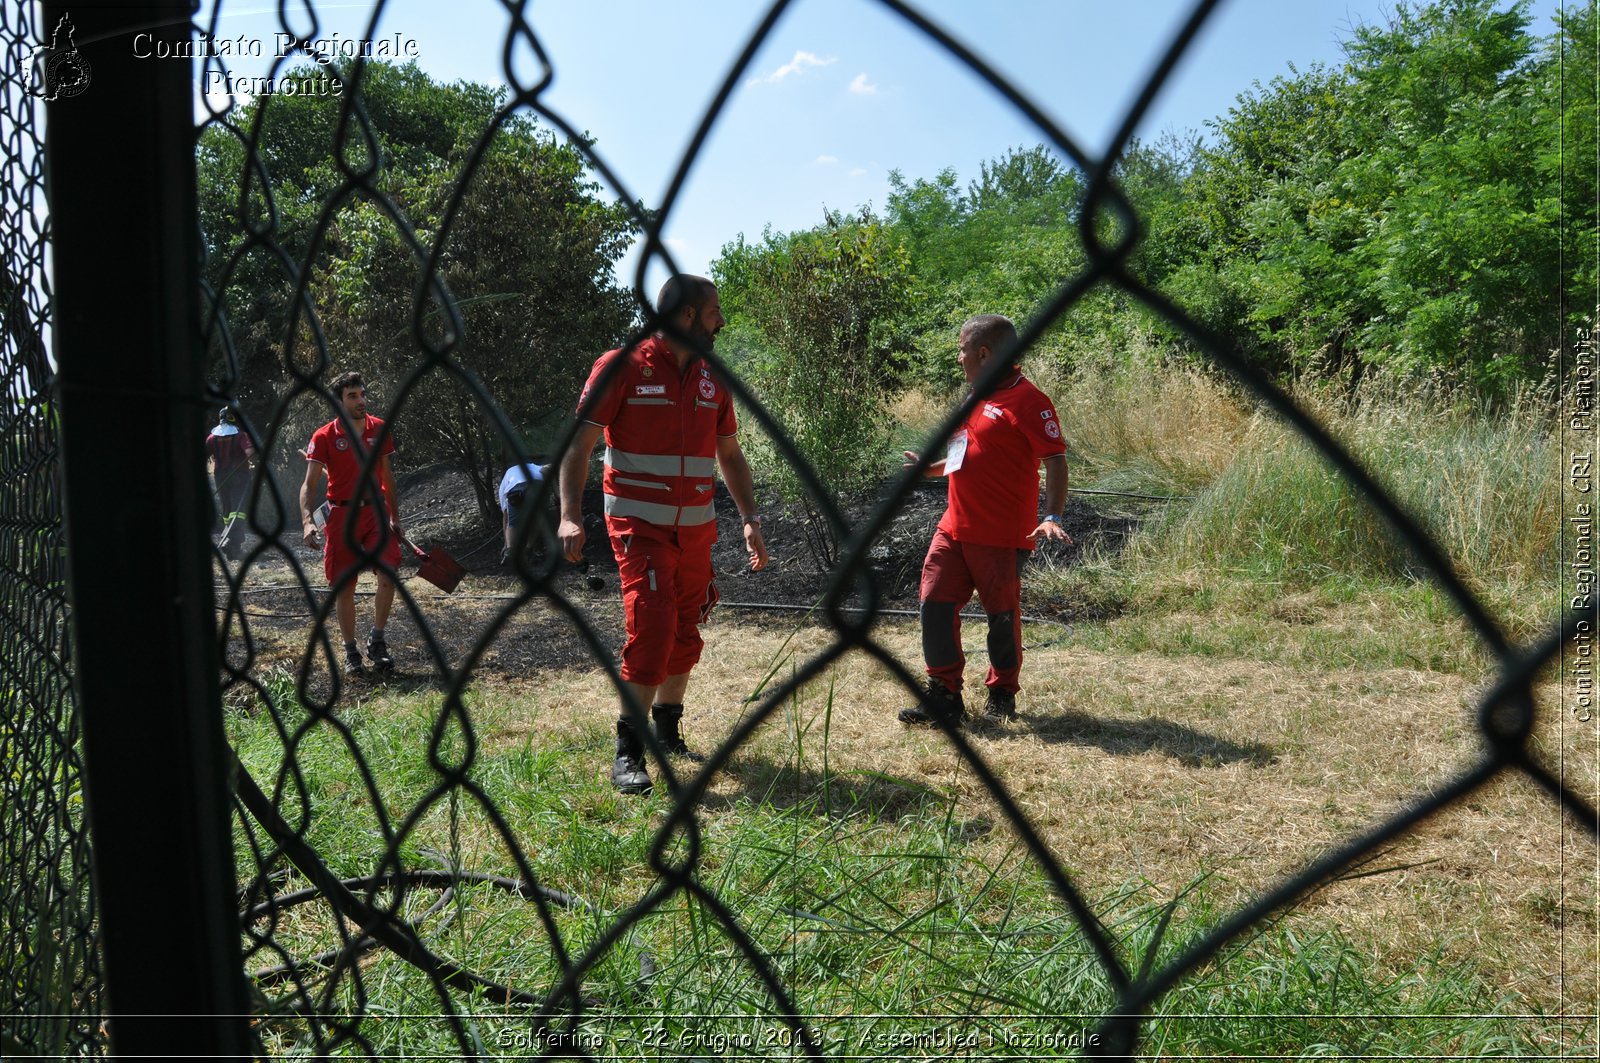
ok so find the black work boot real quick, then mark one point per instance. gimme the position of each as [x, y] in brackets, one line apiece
[628, 772]
[666, 719]
[1000, 705]
[938, 703]
[378, 654]
[353, 664]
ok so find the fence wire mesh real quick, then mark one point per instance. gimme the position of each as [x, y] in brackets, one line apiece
[395, 880]
[52, 977]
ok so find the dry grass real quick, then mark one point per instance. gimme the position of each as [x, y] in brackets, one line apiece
[1180, 421]
[1163, 769]
[1142, 767]
[1184, 425]
[918, 411]
[1464, 478]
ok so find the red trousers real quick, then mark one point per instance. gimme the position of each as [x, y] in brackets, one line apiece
[950, 573]
[667, 593]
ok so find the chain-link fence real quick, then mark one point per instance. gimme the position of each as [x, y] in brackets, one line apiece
[410, 880]
[47, 933]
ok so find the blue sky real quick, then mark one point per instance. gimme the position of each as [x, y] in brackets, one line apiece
[844, 91]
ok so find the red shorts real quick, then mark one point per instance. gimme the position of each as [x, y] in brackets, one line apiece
[667, 592]
[377, 544]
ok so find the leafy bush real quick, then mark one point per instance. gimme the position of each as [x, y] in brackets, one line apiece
[811, 332]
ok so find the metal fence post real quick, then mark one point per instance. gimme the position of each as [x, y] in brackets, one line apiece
[120, 164]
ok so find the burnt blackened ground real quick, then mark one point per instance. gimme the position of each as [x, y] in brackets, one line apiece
[529, 612]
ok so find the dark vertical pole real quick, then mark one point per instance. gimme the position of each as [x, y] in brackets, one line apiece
[120, 165]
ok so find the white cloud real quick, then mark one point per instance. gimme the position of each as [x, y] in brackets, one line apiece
[801, 62]
[862, 87]
[825, 160]
[858, 172]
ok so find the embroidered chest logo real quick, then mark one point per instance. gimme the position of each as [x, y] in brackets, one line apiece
[650, 389]
[708, 390]
[341, 444]
[991, 411]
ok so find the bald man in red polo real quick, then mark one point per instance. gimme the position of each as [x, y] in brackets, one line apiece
[989, 527]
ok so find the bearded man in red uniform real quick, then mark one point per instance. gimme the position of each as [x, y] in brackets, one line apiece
[668, 422]
[354, 535]
[989, 527]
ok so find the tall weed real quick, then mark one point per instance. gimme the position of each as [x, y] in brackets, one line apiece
[1171, 428]
[1482, 483]
[1140, 424]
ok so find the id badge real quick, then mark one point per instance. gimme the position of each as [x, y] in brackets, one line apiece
[958, 451]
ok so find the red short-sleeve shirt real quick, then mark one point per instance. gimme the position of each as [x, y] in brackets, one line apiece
[650, 375]
[661, 428]
[994, 494]
[342, 456]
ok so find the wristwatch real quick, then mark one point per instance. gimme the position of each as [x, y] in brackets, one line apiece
[1050, 518]
[754, 518]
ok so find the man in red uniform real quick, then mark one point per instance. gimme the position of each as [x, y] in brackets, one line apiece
[669, 425]
[989, 526]
[354, 537]
[232, 456]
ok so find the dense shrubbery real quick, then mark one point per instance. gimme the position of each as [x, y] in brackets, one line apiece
[1418, 209]
[523, 242]
[811, 337]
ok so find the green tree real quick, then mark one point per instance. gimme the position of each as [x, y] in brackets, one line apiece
[1567, 85]
[1001, 246]
[526, 249]
[813, 319]
[1011, 241]
[1391, 212]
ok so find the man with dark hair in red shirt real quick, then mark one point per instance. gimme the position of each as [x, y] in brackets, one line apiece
[668, 422]
[363, 527]
[989, 526]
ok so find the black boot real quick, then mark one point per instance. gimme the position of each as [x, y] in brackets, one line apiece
[666, 719]
[938, 703]
[999, 706]
[378, 654]
[628, 772]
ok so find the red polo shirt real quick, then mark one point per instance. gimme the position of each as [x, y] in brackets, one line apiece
[341, 455]
[994, 494]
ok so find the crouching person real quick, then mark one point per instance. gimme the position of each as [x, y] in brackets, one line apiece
[517, 488]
